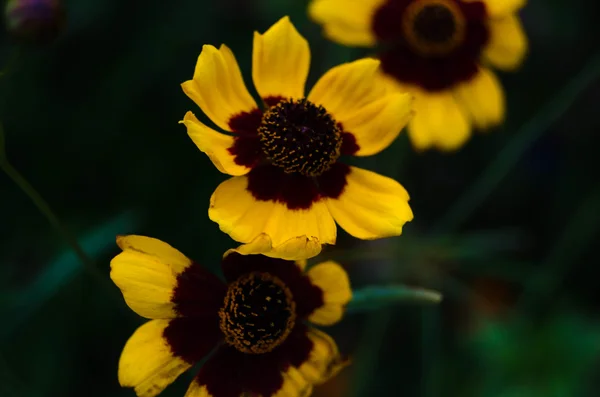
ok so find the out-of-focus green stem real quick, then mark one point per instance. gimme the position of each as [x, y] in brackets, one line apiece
[369, 351]
[44, 208]
[522, 141]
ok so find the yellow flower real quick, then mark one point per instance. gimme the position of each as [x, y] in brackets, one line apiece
[440, 51]
[253, 324]
[288, 187]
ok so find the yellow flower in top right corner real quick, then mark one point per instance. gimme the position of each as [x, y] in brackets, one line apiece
[441, 51]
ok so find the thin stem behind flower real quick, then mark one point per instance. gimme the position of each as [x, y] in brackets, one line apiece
[508, 157]
[45, 209]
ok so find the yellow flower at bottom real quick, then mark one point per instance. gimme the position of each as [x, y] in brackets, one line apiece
[439, 50]
[254, 323]
[288, 188]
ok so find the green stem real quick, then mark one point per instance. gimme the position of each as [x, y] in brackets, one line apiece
[368, 353]
[44, 208]
[522, 141]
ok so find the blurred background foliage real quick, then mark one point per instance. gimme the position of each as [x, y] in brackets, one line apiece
[506, 228]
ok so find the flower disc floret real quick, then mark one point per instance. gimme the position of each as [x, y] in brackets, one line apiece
[258, 313]
[300, 137]
[433, 27]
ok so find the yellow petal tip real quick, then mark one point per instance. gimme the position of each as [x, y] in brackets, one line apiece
[297, 248]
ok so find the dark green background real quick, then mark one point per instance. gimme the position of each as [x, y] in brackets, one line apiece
[91, 122]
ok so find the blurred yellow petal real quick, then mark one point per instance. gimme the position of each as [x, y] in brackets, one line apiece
[197, 390]
[217, 87]
[346, 88]
[392, 85]
[214, 144]
[146, 272]
[371, 205]
[507, 46]
[269, 227]
[482, 98]
[302, 263]
[347, 22]
[324, 360]
[147, 363]
[438, 122]
[280, 61]
[375, 126]
[294, 384]
[498, 8]
[333, 280]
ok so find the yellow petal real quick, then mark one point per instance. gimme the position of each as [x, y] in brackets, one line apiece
[392, 85]
[498, 8]
[302, 263]
[347, 22]
[375, 126]
[482, 98]
[507, 46]
[263, 244]
[346, 88]
[333, 280]
[197, 390]
[324, 361]
[214, 144]
[294, 384]
[146, 272]
[268, 227]
[217, 87]
[438, 122]
[280, 61]
[371, 205]
[147, 363]
[355, 94]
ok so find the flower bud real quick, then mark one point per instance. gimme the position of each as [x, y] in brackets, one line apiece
[34, 21]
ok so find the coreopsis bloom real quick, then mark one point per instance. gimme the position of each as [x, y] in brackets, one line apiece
[252, 326]
[440, 50]
[288, 186]
[35, 21]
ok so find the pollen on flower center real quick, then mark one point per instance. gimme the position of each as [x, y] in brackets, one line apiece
[300, 137]
[258, 313]
[433, 27]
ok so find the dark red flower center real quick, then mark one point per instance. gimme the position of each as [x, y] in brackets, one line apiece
[433, 27]
[300, 137]
[432, 44]
[258, 313]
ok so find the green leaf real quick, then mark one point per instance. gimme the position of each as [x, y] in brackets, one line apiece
[373, 298]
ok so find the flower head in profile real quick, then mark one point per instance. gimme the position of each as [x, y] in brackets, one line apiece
[289, 187]
[440, 50]
[252, 327]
